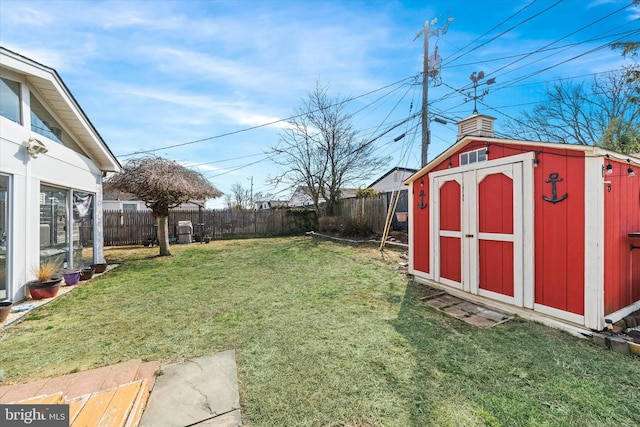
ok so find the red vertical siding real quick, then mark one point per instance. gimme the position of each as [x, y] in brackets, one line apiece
[495, 215]
[621, 217]
[450, 206]
[450, 259]
[421, 221]
[496, 266]
[450, 219]
[495, 200]
[559, 232]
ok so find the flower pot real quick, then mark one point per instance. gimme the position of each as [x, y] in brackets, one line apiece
[402, 216]
[44, 289]
[71, 277]
[99, 268]
[86, 273]
[5, 309]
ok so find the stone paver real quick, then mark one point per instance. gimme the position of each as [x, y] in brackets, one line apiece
[450, 299]
[479, 321]
[436, 303]
[455, 312]
[469, 307]
[490, 314]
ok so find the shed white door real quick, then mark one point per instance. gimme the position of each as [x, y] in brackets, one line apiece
[478, 219]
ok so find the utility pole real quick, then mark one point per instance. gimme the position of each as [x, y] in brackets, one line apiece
[426, 137]
[429, 70]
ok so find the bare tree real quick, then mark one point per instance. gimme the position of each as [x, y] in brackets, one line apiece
[320, 151]
[240, 197]
[162, 184]
[602, 113]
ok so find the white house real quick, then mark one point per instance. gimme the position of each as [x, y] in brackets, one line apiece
[302, 199]
[393, 180]
[121, 203]
[52, 162]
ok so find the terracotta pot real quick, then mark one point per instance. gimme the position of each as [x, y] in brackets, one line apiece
[86, 273]
[44, 289]
[5, 309]
[71, 277]
[402, 216]
[99, 268]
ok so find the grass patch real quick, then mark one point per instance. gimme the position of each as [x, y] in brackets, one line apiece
[325, 335]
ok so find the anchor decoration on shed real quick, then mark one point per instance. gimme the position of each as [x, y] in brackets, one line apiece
[553, 179]
[422, 204]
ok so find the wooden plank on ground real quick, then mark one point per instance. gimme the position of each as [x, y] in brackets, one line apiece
[94, 408]
[49, 399]
[116, 414]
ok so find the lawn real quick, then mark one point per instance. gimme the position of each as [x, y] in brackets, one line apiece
[325, 335]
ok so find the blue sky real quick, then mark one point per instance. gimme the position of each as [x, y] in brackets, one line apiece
[156, 74]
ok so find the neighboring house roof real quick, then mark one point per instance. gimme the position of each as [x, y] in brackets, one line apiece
[301, 197]
[393, 179]
[348, 193]
[51, 87]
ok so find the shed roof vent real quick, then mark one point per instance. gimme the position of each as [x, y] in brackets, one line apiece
[476, 125]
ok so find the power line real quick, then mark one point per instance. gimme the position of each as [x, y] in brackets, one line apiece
[444, 62]
[261, 125]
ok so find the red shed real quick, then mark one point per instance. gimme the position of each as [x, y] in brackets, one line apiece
[543, 230]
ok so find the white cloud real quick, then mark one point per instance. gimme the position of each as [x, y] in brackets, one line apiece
[28, 16]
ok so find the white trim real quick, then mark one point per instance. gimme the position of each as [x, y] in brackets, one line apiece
[559, 314]
[528, 233]
[410, 230]
[518, 232]
[623, 312]
[497, 237]
[451, 283]
[450, 233]
[496, 296]
[593, 243]
[470, 246]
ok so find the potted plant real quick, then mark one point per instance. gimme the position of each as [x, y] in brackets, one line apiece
[5, 309]
[100, 267]
[402, 216]
[87, 273]
[71, 277]
[47, 283]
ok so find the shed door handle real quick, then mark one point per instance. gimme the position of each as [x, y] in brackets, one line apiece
[468, 235]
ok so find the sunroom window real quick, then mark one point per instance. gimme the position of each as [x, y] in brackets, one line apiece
[10, 100]
[43, 123]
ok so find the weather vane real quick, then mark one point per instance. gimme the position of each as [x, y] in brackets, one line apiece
[475, 78]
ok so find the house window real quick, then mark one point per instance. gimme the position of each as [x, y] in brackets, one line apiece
[43, 123]
[54, 239]
[4, 229]
[129, 207]
[10, 100]
[473, 156]
[82, 228]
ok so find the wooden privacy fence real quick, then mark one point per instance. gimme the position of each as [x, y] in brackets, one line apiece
[137, 228]
[373, 210]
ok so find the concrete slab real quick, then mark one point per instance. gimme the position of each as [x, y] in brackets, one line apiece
[198, 391]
